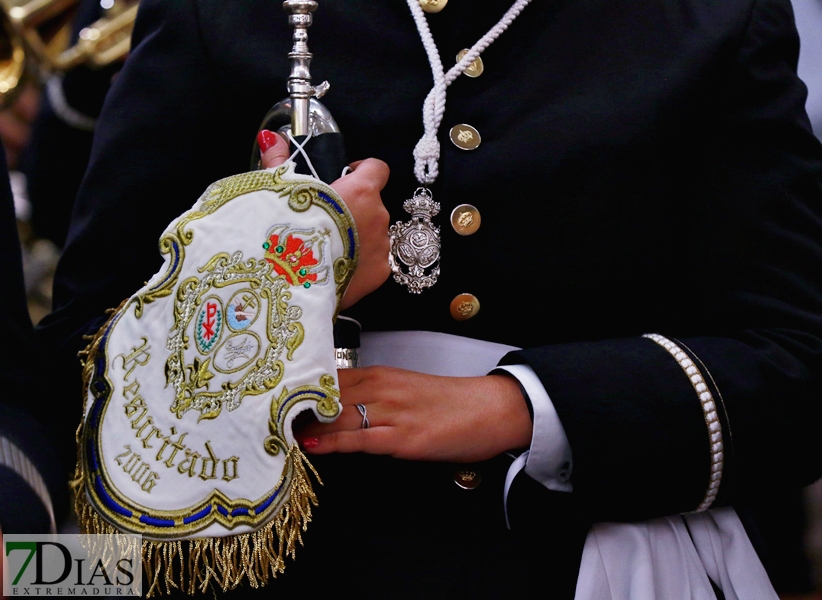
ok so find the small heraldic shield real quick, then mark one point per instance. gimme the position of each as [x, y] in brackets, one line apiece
[192, 384]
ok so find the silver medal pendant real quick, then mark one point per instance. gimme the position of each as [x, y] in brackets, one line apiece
[415, 244]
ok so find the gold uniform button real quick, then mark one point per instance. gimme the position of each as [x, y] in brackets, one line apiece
[476, 67]
[465, 219]
[465, 137]
[433, 6]
[464, 307]
[467, 480]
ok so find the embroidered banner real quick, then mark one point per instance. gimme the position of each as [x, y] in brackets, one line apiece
[193, 382]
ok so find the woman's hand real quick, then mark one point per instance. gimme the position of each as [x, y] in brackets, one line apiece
[424, 417]
[411, 415]
[361, 191]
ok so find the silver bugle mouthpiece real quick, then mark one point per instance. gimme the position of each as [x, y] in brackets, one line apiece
[299, 82]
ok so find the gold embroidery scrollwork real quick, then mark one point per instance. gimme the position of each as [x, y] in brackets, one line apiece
[326, 397]
[174, 246]
[301, 197]
[343, 270]
[297, 336]
[329, 406]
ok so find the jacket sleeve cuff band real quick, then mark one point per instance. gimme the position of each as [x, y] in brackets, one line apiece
[706, 399]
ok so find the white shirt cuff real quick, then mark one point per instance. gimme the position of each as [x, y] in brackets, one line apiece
[549, 457]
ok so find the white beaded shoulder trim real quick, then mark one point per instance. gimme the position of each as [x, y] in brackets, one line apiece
[708, 409]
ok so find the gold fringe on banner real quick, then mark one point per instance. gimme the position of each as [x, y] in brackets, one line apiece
[192, 565]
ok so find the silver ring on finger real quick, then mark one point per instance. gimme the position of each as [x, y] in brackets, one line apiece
[364, 412]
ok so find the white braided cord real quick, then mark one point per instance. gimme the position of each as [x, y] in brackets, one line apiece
[300, 149]
[427, 150]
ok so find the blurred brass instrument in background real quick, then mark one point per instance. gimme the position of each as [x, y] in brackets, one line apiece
[36, 35]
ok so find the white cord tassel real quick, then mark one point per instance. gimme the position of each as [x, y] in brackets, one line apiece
[426, 160]
[427, 150]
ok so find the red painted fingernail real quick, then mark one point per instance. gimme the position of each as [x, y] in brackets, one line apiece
[309, 443]
[266, 139]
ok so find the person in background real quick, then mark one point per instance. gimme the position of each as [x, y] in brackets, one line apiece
[56, 154]
[33, 482]
[809, 24]
[16, 122]
[790, 523]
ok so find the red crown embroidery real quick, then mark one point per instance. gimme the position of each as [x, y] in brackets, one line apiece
[292, 258]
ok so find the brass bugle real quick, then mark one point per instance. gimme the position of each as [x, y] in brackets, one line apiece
[38, 32]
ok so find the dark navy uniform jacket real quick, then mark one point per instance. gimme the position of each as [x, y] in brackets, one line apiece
[646, 166]
[27, 452]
